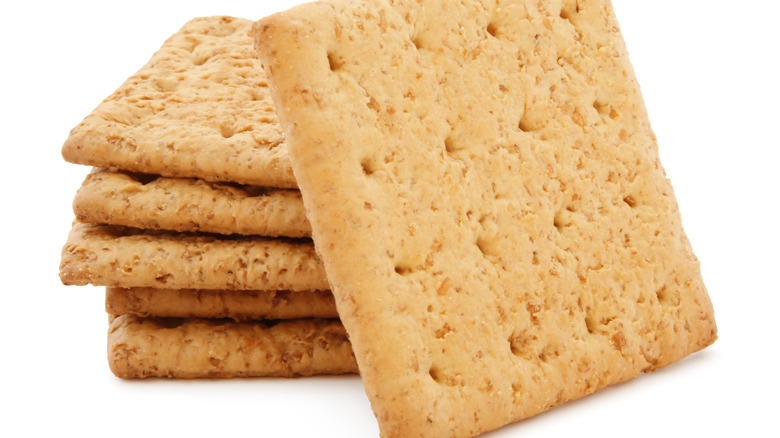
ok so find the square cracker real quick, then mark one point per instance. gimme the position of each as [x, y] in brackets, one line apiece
[486, 196]
[199, 108]
[194, 348]
[240, 305]
[115, 256]
[189, 204]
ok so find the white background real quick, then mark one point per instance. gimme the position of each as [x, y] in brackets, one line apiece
[710, 80]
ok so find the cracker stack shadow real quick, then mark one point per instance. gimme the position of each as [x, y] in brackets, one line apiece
[209, 270]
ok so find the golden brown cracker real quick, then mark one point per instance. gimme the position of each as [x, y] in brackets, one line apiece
[105, 255]
[209, 348]
[235, 304]
[199, 108]
[189, 204]
[486, 195]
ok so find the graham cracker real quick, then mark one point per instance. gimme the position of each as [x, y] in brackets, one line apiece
[233, 304]
[189, 204]
[107, 255]
[199, 108]
[487, 198]
[209, 348]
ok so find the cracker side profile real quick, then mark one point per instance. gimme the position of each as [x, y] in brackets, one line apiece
[189, 204]
[199, 108]
[487, 198]
[209, 348]
[238, 305]
[106, 255]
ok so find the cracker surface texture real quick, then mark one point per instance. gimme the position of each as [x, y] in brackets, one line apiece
[234, 304]
[199, 108]
[487, 198]
[105, 255]
[189, 204]
[210, 348]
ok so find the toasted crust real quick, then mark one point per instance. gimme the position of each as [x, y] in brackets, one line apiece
[189, 204]
[208, 348]
[486, 195]
[237, 305]
[105, 255]
[199, 108]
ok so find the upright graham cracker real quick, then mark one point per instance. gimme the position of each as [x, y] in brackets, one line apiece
[486, 195]
[199, 108]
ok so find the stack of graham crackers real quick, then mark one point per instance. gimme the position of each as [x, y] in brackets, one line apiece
[191, 221]
[483, 188]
